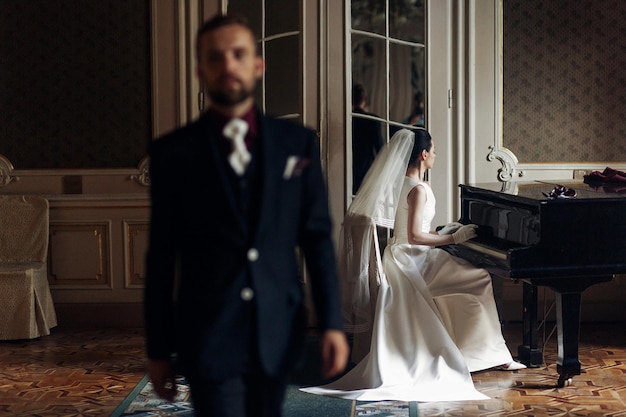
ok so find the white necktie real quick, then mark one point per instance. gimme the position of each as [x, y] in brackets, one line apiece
[236, 130]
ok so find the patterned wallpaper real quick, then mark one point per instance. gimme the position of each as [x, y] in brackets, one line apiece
[74, 83]
[564, 81]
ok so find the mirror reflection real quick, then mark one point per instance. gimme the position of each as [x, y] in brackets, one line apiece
[387, 40]
[369, 15]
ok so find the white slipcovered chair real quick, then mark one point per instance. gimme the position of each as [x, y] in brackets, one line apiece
[26, 308]
[360, 278]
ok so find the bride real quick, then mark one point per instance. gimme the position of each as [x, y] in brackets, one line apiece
[434, 319]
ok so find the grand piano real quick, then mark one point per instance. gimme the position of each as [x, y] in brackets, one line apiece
[536, 233]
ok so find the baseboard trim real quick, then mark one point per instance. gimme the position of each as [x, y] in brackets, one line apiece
[99, 314]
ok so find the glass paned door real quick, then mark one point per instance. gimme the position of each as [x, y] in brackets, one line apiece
[388, 72]
[278, 24]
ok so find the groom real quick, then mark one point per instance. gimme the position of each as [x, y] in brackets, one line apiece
[223, 295]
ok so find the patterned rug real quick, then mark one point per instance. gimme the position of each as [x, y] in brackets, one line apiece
[143, 402]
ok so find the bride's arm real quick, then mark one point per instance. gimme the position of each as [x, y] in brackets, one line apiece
[417, 202]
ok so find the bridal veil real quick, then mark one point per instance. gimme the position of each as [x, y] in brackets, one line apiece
[360, 264]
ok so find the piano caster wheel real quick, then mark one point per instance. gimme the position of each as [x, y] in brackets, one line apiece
[564, 381]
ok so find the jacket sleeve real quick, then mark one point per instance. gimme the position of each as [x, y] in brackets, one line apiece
[315, 240]
[161, 256]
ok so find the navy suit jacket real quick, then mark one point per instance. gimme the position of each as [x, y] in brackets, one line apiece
[202, 315]
[367, 140]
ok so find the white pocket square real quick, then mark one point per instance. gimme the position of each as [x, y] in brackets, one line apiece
[294, 166]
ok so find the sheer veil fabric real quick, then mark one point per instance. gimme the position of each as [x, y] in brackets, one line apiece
[411, 356]
[360, 267]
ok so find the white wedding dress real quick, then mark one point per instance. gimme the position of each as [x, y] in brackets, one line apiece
[435, 322]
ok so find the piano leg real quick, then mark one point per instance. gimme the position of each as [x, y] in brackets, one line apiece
[568, 294]
[568, 324]
[527, 352]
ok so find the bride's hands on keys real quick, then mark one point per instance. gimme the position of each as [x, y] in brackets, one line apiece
[449, 228]
[464, 233]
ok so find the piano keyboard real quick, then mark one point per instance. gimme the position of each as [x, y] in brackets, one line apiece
[485, 249]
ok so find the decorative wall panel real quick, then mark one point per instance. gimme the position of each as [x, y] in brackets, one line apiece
[79, 255]
[97, 248]
[136, 243]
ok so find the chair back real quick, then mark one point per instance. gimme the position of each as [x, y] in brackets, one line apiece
[24, 224]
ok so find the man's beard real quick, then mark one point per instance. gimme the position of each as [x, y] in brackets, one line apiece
[230, 98]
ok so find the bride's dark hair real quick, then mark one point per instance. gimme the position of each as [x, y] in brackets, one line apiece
[423, 141]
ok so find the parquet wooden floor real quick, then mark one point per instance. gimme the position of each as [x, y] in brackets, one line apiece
[600, 389]
[78, 372]
[70, 372]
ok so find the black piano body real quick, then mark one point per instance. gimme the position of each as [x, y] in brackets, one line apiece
[567, 244]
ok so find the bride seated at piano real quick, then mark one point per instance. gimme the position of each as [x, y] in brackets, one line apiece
[435, 319]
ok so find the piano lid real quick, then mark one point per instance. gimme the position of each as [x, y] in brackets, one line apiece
[534, 192]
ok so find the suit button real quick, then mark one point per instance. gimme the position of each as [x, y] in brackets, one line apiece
[253, 255]
[247, 294]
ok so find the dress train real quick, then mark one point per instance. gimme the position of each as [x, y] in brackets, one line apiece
[416, 361]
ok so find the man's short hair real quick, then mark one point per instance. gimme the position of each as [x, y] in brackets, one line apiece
[358, 94]
[222, 20]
